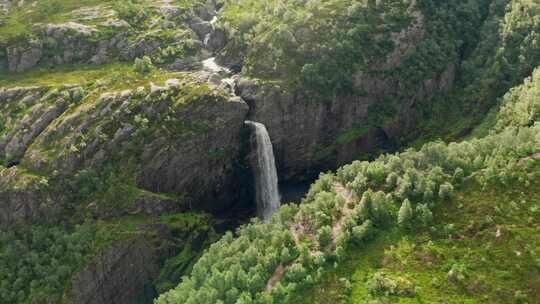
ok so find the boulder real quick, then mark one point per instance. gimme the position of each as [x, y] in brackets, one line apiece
[217, 40]
[68, 30]
[200, 27]
[25, 198]
[22, 58]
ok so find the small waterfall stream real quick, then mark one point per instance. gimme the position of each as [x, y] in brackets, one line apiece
[266, 180]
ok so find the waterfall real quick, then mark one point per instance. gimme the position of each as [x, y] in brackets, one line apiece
[268, 199]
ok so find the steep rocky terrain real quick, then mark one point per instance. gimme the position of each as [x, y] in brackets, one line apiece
[126, 119]
[163, 137]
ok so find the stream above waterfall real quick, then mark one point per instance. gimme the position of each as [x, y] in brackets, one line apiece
[211, 65]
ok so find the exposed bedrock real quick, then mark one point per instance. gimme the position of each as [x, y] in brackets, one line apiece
[127, 271]
[310, 136]
[183, 140]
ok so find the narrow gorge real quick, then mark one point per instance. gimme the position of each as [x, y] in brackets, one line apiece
[269, 152]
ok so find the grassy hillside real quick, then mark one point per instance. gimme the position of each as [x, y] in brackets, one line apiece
[481, 248]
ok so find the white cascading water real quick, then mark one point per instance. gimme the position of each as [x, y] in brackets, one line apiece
[266, 180]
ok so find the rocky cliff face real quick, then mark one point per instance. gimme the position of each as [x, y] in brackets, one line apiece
[129, 269]
[181, 139]
[25, 198]
[121, 274]
[110, 32]
[310, 137]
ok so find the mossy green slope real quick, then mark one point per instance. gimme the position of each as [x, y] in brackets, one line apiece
[481, 248]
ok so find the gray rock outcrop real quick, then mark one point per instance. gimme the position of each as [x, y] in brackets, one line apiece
[174, 142]
[310, 137]
[121, 274]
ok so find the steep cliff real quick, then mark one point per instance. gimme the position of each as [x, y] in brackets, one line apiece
[133, 269]
[182, 139]
[313, 131]
[310, 137]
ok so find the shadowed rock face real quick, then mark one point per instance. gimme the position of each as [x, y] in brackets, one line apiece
[127, 270]
[204, 165]
[25, 198]
[306, 134]
[121, 274]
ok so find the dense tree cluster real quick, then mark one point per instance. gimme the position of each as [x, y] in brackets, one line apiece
[507, 50]
[522, 104]
[37, 262]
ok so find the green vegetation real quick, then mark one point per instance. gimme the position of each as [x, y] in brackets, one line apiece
[66, 74]
[268, 263]
[453, 222]
[337, 48]
[193, 233]
[521, 105]
[322, 45]
[501, 53]
[143, 65]
[350, 135]
[39, 261]
[481, 249]
[16, 26]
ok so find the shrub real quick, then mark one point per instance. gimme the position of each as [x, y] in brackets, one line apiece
[296, 273]
[364, 208]
[381, 284]
[458, 273]
[446, 191]
[423, 215]
[131, 11]
[391, 181]
[286, 257]
[363, 232]
[319, 258]
[324, 236]
[380, 206]
[459, 176]
[520, 297]
[323, 184]
[143, 66]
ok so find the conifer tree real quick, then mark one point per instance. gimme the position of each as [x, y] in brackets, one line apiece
[405, 214]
